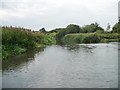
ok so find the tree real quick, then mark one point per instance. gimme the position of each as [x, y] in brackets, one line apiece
[72, 28]
[60, 35]
[108, 27]
[96, 24]
[57, 30]
[116, 28]
[93, 27]
[42, 30]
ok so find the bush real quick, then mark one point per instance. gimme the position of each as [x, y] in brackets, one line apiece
[15, 36]
[90, 38]
[116, 28]
[18, 40]
[91, 28]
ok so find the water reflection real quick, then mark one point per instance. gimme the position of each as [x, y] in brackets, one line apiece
[17, 61]
[73, 66]
[76, 48]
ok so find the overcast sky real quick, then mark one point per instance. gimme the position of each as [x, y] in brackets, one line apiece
[51, 14]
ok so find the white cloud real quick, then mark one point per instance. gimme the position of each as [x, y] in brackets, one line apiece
[54, 13]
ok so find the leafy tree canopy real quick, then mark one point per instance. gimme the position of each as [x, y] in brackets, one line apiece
[116, 28]
[42, 30]
[72, 28]
[91, 28]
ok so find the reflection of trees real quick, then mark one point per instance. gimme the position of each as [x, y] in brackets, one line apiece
[17, 61]
[86, 48]
[73, 47]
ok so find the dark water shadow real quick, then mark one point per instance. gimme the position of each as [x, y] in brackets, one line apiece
[17, 61]
[77, 47]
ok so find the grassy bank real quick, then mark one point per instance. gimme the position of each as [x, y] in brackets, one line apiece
[90, 38]
[18, 40]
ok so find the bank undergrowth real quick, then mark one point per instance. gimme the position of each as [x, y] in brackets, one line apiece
[18, 40]
[90, 38]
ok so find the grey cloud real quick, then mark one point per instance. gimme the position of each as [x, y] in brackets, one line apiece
[43, 13]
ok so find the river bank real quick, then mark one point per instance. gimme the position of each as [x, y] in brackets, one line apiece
[17, 40]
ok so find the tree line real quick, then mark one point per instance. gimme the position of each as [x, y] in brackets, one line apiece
[17, 40]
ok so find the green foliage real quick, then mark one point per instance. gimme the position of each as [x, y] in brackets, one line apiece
[71, 39]
[80, 38]
[60, 35]
[92, 33]
[116, 28]
[91, 28]
[94, 27]
[18, 40]
[57, 30]
[72, 28]
[0, 52]
[109, 35]
[90, 38]
[99, 31]
[8, 50]
[15, 36]
[69, 29]
[45, 39]
[42, 30]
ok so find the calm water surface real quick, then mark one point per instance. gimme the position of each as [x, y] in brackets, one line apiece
[76, 66]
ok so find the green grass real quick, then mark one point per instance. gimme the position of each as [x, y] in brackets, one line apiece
[90, 38]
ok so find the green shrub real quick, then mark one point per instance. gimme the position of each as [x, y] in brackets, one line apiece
[18, 40]
[116, 28]
[90, 38]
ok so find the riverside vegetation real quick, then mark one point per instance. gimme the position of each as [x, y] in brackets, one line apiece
[16, 40]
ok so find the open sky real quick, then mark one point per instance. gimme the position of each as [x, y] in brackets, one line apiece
[51, 14]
